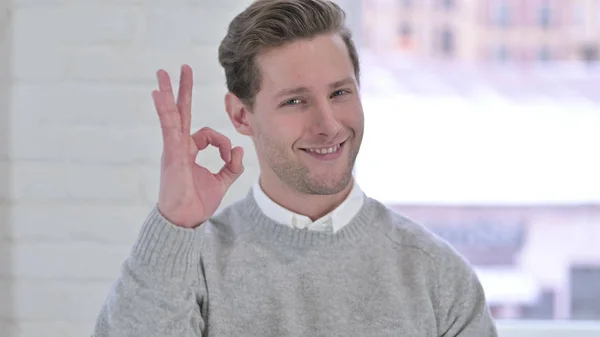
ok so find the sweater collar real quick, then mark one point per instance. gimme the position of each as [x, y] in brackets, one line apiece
[268, 229]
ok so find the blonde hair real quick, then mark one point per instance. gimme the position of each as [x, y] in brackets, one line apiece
[267, 24]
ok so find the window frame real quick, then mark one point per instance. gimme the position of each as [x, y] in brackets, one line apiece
[547, 328]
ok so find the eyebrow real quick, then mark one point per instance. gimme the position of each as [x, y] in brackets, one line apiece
[345, 81]
[301, 90]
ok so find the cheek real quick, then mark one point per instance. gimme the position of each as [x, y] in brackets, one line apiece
[278, 133]
[357, 113]
[351, 115]
[287, 127]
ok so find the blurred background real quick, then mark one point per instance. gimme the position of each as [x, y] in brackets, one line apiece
[482, 123]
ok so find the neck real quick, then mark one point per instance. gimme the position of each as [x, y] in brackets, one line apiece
[310, 205]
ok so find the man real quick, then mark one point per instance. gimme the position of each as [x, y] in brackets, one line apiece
[305, 253]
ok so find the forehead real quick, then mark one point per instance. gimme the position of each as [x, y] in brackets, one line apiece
[308, 62]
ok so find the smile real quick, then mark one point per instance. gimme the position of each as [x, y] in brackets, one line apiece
[325, 150]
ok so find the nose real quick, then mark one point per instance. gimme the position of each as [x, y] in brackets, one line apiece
[325, 122]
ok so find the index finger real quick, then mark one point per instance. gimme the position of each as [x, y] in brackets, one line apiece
[184, 98]
[207, 136]
[170, 121]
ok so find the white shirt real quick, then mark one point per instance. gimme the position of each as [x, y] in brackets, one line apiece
[331, 222]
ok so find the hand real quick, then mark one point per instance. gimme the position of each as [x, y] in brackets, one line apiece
[189, 193]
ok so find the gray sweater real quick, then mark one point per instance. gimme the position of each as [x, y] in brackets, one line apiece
[241, 274]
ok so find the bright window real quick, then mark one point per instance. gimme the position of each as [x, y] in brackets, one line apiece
[498, 155]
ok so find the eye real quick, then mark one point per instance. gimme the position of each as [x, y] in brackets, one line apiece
[293, 101]
[340, 93]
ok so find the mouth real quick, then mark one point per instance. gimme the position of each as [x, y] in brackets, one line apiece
[331, 152]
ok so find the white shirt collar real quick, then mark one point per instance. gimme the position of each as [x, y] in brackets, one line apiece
[332, 222]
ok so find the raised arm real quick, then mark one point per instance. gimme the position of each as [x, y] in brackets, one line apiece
[161, 289]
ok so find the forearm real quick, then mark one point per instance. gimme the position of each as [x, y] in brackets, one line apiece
[159, 288]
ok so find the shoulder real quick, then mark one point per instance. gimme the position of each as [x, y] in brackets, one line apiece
[458, 293]
[409, 235]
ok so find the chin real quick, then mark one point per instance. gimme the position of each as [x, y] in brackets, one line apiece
[328, 184]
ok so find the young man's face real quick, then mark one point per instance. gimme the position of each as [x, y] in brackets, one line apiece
[307, 120]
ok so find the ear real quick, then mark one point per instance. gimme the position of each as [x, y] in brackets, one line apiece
[238, 114]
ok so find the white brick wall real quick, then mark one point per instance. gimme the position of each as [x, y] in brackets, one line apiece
[80, 143]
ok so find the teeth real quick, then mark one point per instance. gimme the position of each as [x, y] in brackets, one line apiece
[326, 150]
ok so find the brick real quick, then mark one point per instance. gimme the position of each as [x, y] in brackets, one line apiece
[89, 144]
[4, 103]
[5, 225]
[96, 125]
[75, 103]
[104, 23]
[51, 182]
[204, 59]
[126, 64]
[168, 26]
[4, 140]
[37, 143]
[79, 23]
[5, 181]
[209, 107]
[27, 65]
[37, 3]
[6, 294]
[4, 150]
[6, 298]
[150, 185]
[64, 223]
[211, 21]
[112, 63]
[62, 300]
[71, 261]
[213, 18]
[56, 328]
[7, 326]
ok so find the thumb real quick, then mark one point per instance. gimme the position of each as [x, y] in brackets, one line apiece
[232, 170]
